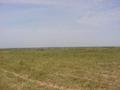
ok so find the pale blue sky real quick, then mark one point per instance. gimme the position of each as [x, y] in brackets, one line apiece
[59, 23]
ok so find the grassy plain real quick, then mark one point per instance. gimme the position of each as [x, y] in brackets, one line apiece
[60, 69]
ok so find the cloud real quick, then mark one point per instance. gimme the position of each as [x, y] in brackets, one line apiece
[48, 2]
[53, 2]
[23, 1]
[105, 20]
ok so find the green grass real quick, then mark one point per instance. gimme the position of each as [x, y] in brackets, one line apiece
[60, 69]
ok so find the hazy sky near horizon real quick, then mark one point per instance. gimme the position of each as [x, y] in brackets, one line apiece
[59, 23]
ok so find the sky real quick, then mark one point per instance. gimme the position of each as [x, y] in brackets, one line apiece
[59, 23]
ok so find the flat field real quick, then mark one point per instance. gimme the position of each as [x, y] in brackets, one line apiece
[60, 69]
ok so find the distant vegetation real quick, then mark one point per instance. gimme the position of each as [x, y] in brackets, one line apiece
[60, 69]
